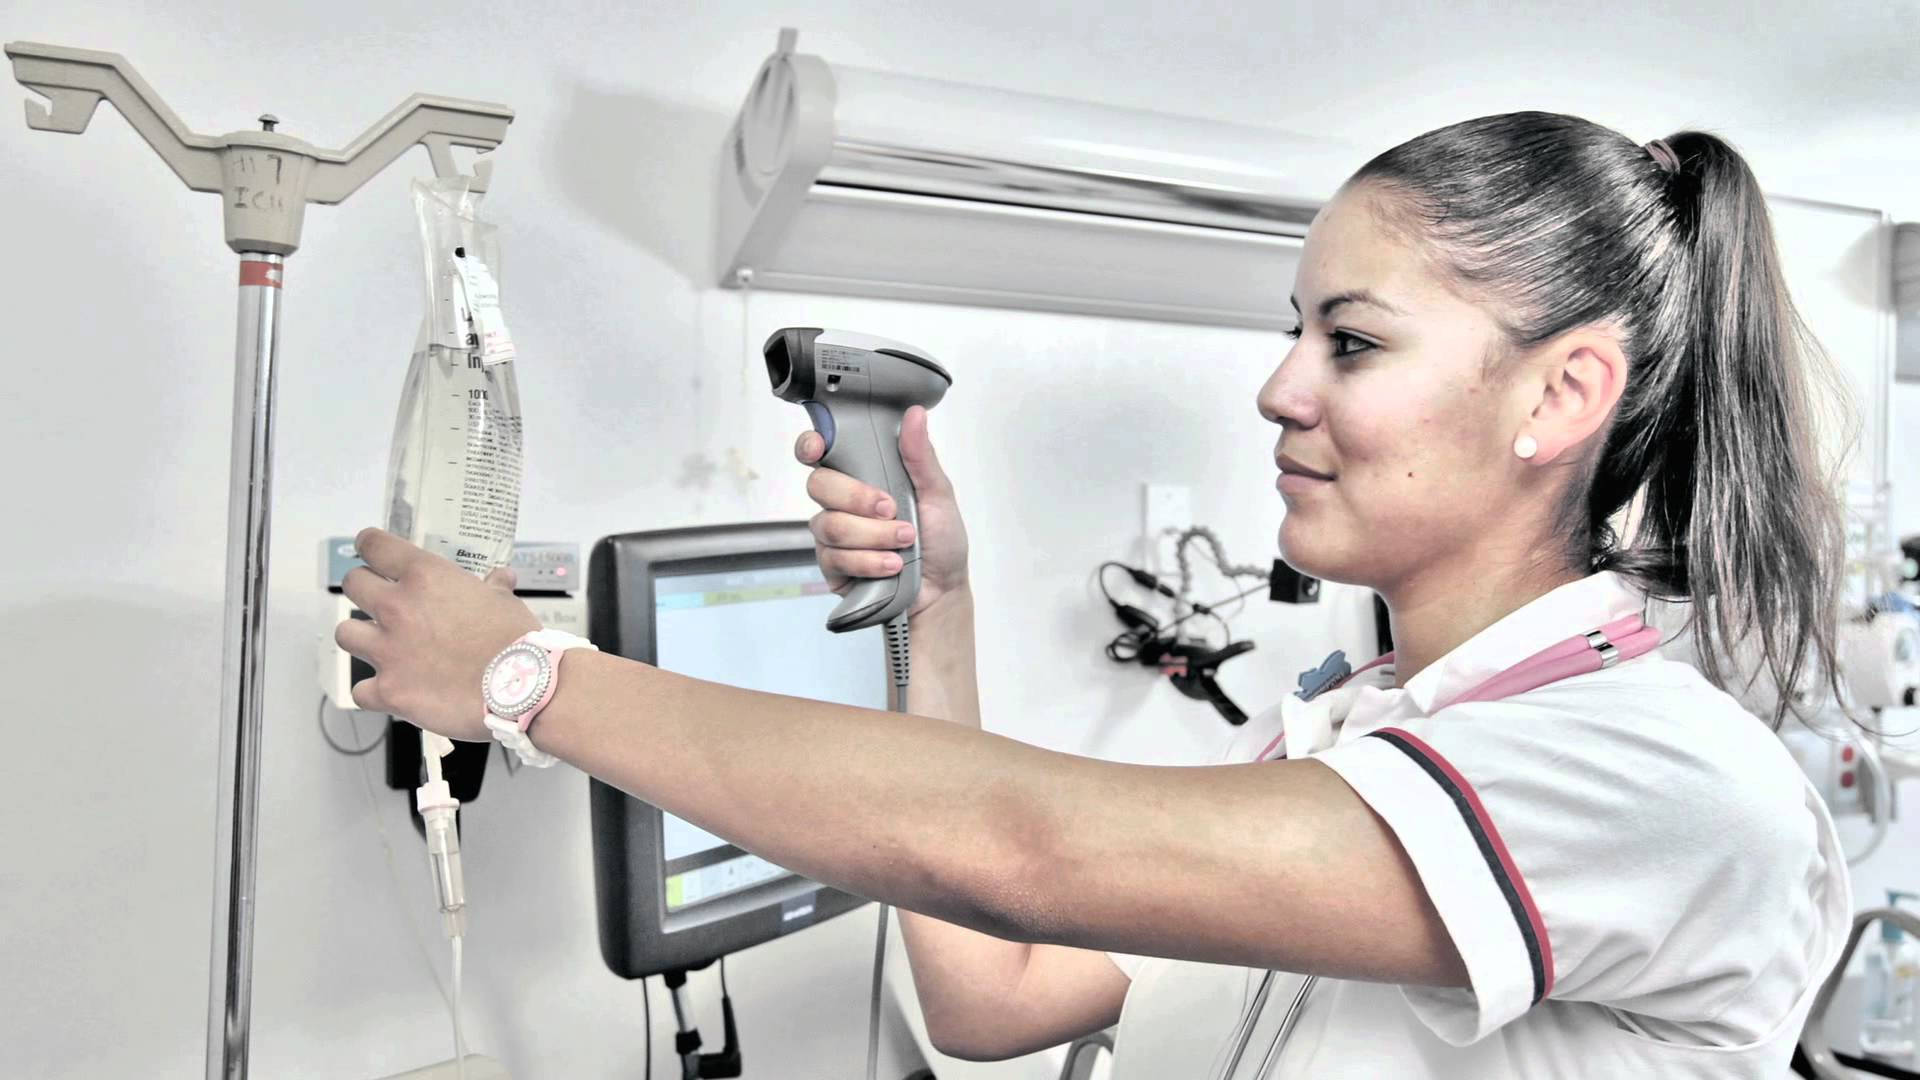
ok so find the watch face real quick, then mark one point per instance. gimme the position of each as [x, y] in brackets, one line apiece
[516, 678]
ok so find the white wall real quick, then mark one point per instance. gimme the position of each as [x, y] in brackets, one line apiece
[645, 409]
[1904, 458]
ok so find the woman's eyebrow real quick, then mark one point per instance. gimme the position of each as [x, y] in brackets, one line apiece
[1350, 296]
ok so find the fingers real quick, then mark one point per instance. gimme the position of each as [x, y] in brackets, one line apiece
[368, 590]
[503, 577]
[841, 564]
[809, 448]
[360, 637]
[389, 555]
[916, 452]
[832, 528]
[837, 583]
[837, 491]
[848, 546]
[367, 695]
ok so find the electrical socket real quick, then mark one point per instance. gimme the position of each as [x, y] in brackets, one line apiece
[1163, 507]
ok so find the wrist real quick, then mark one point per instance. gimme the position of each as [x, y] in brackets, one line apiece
[521, 681]
[945, 684]
[950, 614]
[562, 728]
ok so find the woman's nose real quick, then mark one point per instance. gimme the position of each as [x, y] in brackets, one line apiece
[1288, 398]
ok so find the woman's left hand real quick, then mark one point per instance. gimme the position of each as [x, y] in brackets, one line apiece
[435, 628]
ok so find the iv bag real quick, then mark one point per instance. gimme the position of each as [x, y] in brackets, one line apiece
[453, 479]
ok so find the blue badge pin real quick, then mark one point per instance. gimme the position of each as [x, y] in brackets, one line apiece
[1316, 681]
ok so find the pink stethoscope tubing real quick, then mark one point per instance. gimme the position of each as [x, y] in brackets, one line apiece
[1622, 639]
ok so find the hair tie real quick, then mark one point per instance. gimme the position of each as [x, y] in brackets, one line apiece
[1663, 156]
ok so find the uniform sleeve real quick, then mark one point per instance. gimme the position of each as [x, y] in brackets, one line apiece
[1580, 845]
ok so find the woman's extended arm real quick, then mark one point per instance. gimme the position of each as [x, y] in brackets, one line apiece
[1267, 865]
[1277, 864]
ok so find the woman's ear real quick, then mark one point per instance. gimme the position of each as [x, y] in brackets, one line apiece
[1580, 377]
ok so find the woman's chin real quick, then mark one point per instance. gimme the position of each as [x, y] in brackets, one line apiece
[1307, 551]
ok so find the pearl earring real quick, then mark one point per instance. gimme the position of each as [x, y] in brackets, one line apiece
[1525, 447]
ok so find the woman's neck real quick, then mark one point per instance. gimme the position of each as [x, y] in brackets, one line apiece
[1435, 612]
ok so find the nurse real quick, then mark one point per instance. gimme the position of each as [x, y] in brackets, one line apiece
[1542, 373]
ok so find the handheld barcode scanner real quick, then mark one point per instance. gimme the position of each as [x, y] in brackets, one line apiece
[856, 389]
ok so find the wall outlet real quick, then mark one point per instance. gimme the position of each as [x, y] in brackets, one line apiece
[1164, 507]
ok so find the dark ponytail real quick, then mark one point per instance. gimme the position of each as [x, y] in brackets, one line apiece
[1711, 459]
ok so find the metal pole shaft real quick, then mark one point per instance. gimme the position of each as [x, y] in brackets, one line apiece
[242, 666]
[683, 1019]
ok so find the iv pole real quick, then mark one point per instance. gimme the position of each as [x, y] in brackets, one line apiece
[265, 180]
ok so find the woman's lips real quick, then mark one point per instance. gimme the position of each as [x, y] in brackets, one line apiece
[1293, 483]
[1297, 479]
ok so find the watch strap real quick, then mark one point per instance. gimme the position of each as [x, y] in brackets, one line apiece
[508, 734]
[513, 733]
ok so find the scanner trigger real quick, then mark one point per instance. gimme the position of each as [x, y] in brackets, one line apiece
[822, 418]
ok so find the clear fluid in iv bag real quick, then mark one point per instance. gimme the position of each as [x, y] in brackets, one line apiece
[453, 481]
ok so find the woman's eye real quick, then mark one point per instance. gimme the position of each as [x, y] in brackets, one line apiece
[1341, 338]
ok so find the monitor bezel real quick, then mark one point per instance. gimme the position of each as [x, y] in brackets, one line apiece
[638, 936]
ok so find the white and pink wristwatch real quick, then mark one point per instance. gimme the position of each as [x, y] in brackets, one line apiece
[519, 682]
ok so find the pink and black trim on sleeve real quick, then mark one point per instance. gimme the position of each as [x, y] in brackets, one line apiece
[1473, 814]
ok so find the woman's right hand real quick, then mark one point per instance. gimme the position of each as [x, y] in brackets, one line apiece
[857, 535]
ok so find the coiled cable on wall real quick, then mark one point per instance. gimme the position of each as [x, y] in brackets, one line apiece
[1212, 540]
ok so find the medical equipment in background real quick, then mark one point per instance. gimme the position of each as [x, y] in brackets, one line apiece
[1848, 269]
[838, 180]
[1880, 654]
[740, 605]
[453, 476]
[265, 180]
[1888, 1022]
[1839, 744]
[548, 582]
[1816, 1057]
[855, 389]
[1190, 662]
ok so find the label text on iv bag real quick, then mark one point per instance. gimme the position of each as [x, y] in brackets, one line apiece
[482, 301]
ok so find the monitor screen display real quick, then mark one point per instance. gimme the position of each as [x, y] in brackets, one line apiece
[746, 628]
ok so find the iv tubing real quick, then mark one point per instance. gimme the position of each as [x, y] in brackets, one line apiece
[438, 809]
[459, 1034]
[899, 665]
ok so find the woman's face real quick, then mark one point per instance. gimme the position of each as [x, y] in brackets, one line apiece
[1396, 444]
